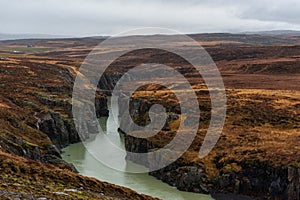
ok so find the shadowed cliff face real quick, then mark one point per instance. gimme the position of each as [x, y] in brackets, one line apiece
[256, 155]
[36, 122]
[36, 108]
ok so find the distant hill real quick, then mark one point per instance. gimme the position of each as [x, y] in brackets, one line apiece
[276, 32]
[29, 36]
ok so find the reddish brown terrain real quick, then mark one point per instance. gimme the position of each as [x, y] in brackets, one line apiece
[257, 154]
[36, 122]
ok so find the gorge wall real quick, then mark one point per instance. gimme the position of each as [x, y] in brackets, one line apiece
[38, 121]
[261, 180]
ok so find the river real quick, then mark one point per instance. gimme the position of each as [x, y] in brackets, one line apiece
[87, 165]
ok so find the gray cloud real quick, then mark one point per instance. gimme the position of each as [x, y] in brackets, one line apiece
[102, 17]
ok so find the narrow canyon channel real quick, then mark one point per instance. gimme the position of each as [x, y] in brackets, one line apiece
[87, 165]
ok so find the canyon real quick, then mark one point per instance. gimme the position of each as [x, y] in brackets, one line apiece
[257, 154]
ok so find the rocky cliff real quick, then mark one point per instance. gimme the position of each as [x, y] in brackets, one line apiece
[36, 122]
[44, 110]
[224, 171]
[258, 180]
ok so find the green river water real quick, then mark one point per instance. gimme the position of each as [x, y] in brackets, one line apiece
[87, 165]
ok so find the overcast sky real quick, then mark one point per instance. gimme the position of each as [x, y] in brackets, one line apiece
[108, 17]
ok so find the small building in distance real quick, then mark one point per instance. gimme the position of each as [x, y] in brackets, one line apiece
[17, 52]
